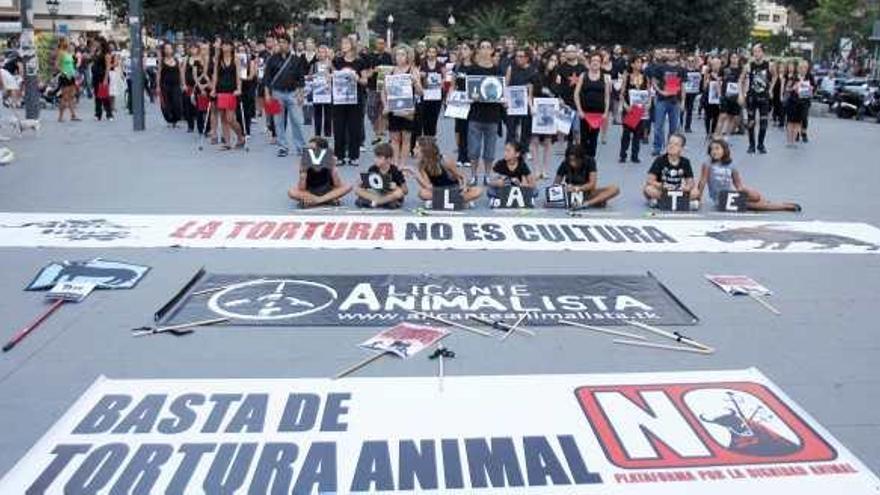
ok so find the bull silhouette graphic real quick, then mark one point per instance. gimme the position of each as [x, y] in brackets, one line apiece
[779, 239]
[107, 275]
[750, 436]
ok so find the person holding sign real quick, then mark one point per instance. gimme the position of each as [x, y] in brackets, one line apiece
[432, 76]
[636, 106]
[519, 74]
[511, 171]
[578, 174]
[692, 84]
[485, 115]
[375, 113]
[348, 119]
[731, 107]
[671, 172]
[319, 180]
[321, 106]
[387, 185]
[721, 176]
[435, 173]
[542, 87]
[592, 97]
[669, 93]
[799, 91]
[401, 122]
[465, 57]
[712, 81]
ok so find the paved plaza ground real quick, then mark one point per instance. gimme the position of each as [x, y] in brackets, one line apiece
[822, 350]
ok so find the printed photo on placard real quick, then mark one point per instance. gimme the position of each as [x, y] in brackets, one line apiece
[517, 100]
[399, 92]
[433, 87]
[565, 116]
[638, 97]
[714, 93]
[544, 118]
[458, 106]
[105, 274]
[345, 88]
[692, 84]
[739, 285]
[405, 339]
[320, 86]
[485, 89]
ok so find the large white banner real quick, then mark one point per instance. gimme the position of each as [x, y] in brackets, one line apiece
[725, 432]
[408, 232]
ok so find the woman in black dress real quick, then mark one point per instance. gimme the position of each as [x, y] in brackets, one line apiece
[170, 86]
[401, 123]
[227, 90]
[592, 96]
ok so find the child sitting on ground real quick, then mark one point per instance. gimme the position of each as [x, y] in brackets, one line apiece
[721, 175]
[392, 183]
[671, 172]
[319, 182]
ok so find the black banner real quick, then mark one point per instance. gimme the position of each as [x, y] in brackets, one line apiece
[382, 300]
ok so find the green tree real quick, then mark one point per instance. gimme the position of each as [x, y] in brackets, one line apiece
[835, 19]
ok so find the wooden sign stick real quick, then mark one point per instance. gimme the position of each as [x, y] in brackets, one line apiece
[764, 303]
[500, 325]
[21, 334]
[669, 335]
[359, 365]
[514, 327]
[451, 323]
[662, 346]
[618, 333]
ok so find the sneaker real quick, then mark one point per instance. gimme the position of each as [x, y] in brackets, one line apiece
[343, 162]
[635, 159]
[363, 149]
[797, 208]
[751, 149]
[762, 150]
[622, 159]
[804, 138]
[695, 204]
[282, 152]
[466, 164]
[354, 163]
[362, 203]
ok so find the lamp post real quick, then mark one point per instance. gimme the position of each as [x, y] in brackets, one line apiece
[54, 6]
[390, 20]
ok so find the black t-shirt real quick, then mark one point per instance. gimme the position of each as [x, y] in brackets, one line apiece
[484, 112]
[665, 74]
[568, 78]
[670, 176]
[577, 176]
[394, 175]
[357, 65]
[319, 180]
[520, 172]
[375, 60]
[759, 78]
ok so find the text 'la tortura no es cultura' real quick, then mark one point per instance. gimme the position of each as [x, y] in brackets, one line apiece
[422, 231]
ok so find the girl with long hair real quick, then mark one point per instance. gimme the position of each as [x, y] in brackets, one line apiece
[66, 80]
[435, 172]
[170, 79]
[227, 90]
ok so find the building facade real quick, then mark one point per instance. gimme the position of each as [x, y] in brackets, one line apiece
[770, 19]
[73, 16]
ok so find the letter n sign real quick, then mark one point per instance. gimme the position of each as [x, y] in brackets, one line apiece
[698, 424]
[733, 201]
[447, 198]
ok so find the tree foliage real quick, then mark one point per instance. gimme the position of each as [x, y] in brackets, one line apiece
[835, 19]
[225, 17]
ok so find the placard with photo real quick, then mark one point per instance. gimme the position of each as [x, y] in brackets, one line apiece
[433, 90]
[345, 88]
[544, 116]
[320, 88]
[692, 84]
[517, 100]
[565, 116]
[458, 106]
[485, 89]
[399, 93]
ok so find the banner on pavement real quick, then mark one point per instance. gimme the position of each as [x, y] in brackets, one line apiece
[406, 232]
[718, 432]
[380, 300]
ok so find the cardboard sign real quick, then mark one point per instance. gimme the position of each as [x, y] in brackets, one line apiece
[692, 84]
[517, 98]
[736, 285]
[544, 116]
[731, 201]
[458, 106]
[485, 89]
[399, 93]
[447, 199]
[565, 117]
[316, 159]
[103, 274]
[375, 181]
[405, 339]
[513, 197]
[674, 201]
[673, 433]
[320, 87]
[714, 93]
[557, 196]
[345, 87]
[433, 90]
[70, 291]
[732, 89]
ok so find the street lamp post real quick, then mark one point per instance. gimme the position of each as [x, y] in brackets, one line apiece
[390, 33]
[54, 6]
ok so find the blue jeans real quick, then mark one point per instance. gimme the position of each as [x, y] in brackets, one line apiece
[663, 109]
[482, 137]
[291, 116]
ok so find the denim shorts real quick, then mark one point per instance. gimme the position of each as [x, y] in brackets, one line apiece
[482, 137]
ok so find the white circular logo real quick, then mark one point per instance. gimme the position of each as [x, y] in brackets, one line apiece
[277, 299]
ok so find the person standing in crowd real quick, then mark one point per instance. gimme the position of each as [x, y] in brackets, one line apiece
[248, 74]
[693, 83]
[568, 74]
[712, 81]
[667, 81]
[190, 111]
[758, 79]
[170, 85]
[401, 123]
[214, 111]
[807, 102]
[465, 63]
[348, 120]
[117, 82]
[66, 80]
[12, 71]
[607, 69]
[309, 58]
[542, 87]
[323, 112]
[431, 103]
[619, 67]
[776, 94]
[592, 97]
[436, 173]
[375, 113]
[799, 91]
[634, 81]
[283, 80]
[520, 73]
[227, 91]
[508, 56]
[484, 118]
[202, 90]
[270, 46]
[730, 96]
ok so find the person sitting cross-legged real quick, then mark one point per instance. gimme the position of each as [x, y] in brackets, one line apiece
[671, 172]
[393, 183]
[579, 176]
[319, 181]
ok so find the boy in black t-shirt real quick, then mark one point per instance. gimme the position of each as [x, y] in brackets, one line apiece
[393, 182]
[578, 174]
[671, 172]
[319, 181]
[511, 171]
